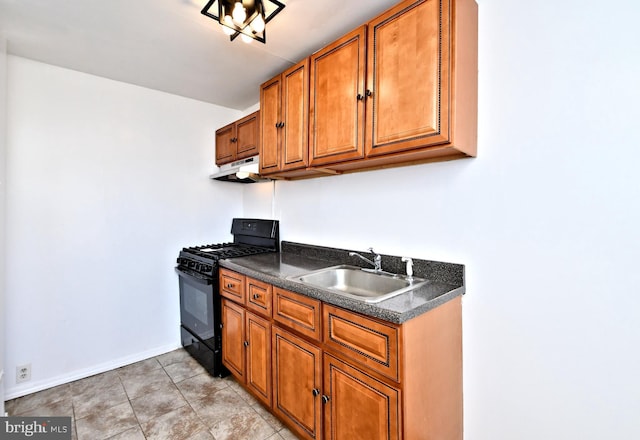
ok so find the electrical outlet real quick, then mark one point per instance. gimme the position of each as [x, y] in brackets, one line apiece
[23, 373]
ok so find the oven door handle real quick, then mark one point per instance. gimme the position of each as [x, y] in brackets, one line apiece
[194, 276]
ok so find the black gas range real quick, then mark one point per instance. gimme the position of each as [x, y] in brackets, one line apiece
[200, 314]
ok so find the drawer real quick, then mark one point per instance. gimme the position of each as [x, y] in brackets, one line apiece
[297, 312]
[232, 285]
[259, 296]
[368, 341]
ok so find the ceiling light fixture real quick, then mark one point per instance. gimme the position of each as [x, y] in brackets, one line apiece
[247, 18]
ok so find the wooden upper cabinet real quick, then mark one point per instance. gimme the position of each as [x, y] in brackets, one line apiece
[295, 116]
[238, 140]
[401, 89]
[422, 77]
[284, 102]
[337, 93]
[408, 78]
[269, 125]
[225, 148]
[248, 135]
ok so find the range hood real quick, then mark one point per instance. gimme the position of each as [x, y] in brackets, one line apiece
[240, 171]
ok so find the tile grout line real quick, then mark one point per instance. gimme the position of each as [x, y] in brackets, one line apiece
[189, 403]
[132, 409]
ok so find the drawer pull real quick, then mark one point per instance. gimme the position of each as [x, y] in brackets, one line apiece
[256, 296]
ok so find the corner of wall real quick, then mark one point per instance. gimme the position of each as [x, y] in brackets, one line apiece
[3, 149]
[253, 108]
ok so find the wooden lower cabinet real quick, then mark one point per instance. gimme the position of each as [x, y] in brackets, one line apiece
[297, 383]
[340, 375]
[246, 349]
[358, 406]
[258, 357]
[233, 337]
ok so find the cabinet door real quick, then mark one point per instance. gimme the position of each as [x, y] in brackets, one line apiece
[233, 338]
[408, 77]
[295, 114]
[337, 100]
[225, 147]
[247, 135]
[296, 383]
[258, 357]
[359, 407]
[269, 125]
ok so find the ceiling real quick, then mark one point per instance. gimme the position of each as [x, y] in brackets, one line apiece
[169, 45]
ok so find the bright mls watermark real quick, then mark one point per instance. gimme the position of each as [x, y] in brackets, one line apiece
[40, 428]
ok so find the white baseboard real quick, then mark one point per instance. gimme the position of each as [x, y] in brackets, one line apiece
[12, 393]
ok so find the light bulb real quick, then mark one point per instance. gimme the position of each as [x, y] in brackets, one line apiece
[239, 14]
[242, 174]
[257, 25]
[227, 22]
[245, 38]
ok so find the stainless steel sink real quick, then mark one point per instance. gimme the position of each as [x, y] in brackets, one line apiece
[355, 283]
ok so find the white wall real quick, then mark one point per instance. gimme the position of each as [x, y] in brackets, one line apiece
[106, 182]
[3, 150]
[545, 220]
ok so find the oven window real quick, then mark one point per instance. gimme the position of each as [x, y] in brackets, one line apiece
[195, 303]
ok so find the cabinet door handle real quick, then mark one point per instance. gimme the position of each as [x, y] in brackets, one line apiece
[360, 97]
[368, 92]
[246, 343]
[229, 286]
[315, 392]
[281, 124]
[277, 125]
[325, 399]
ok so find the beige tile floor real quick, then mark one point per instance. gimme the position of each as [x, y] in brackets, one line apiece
[167, 397]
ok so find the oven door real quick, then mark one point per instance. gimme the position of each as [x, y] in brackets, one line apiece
[197, 305]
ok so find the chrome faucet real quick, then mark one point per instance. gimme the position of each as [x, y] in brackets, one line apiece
[377, 259]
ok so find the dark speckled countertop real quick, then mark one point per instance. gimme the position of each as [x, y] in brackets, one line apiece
[445, 280]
